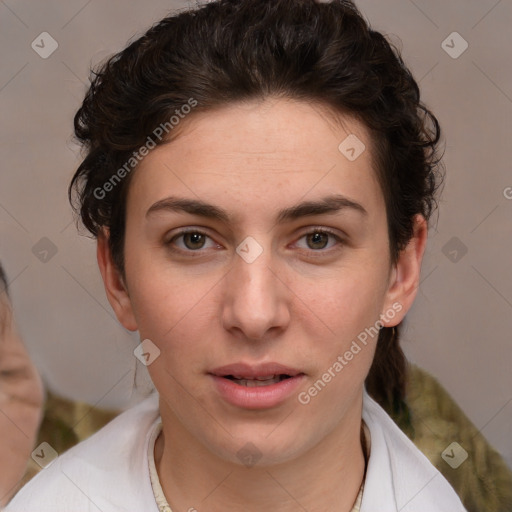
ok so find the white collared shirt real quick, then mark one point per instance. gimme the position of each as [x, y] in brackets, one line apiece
[109, 472]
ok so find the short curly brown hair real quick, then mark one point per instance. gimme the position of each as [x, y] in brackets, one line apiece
[237, 50]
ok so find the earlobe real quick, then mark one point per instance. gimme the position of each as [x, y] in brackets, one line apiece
[115, 287]
[405, 276]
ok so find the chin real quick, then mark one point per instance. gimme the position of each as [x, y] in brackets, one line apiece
[256, 447]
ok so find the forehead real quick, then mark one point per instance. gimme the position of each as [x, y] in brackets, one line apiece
[260, 148]
[262, 128]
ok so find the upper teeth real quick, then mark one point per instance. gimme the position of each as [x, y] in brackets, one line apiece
[267, 377]
[258, 381]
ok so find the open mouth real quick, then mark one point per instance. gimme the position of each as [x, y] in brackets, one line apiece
[256, 386]
[257, 381]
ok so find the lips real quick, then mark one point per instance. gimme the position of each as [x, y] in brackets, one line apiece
[256, 386]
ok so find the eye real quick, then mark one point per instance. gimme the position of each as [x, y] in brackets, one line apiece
[318, 239]
[191, 241]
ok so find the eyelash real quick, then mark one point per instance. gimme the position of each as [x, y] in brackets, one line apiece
[190, 252]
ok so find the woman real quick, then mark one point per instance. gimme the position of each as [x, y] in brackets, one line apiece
[259, 176]
[21, 400]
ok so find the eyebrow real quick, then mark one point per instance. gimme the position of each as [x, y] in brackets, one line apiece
[327, 205]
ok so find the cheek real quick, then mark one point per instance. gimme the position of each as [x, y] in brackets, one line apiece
[170, 321]
[349, 310]
[349, 303]
[176, 313]
[346, 311]
[170, 314]
[162, 297]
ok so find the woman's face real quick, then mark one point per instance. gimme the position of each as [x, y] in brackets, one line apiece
[284, 266]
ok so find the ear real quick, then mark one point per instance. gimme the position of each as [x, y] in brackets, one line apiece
[115, 287]
[405, 275]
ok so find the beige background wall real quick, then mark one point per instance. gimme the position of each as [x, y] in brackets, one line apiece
[460, 326]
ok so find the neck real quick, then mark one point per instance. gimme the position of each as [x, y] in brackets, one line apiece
[326, 478]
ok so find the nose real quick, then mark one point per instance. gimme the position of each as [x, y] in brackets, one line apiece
[256, 300]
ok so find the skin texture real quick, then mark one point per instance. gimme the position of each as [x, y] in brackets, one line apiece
[300, 303]
[21, 401]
